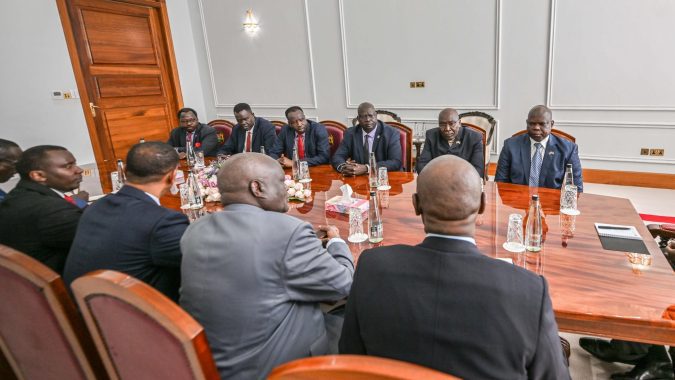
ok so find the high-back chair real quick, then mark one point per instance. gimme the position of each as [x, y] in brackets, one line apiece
[485, 122]
[42, 336]
[278, 124]
[555, 132]
[139, 333]
[486, 152]
[349, 367]
[387, 116]
[406, 144]
[336, 132]
[223, 129]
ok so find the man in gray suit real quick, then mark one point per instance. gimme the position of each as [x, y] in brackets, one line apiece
[254, 276]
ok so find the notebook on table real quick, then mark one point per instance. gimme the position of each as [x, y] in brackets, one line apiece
[615, 237]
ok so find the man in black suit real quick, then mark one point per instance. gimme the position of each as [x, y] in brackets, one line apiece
[37, 217]
[443, 304]
[202, 136]
[129, 231]
[370, 135]
[9, 156]
[311, 137]
[452, 138]
[250, 133]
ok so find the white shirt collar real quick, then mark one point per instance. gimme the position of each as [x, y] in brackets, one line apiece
[463, 238]
[154, 198]
[543, 143]
[62, 195]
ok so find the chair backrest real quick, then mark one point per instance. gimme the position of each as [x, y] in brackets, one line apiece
[42, 335]
[139, 333]
[486, 152]
[223, 129]
[347, 367]
[485, 122]
[277, 125]
[336, 132]
[406, 144]
[555, 132]
[387, 116]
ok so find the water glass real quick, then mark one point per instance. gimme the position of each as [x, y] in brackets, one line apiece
[514, 234]
[356, 234]
[383, 179]
[199, 160]
[304, 172]
[568, 203]
[184, 191]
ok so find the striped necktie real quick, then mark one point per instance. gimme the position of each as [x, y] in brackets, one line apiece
[535, 167]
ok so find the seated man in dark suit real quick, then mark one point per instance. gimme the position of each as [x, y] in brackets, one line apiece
[443, 304]
[312, 140]
[370, 135]
[250, 133]
[202, 136]
[129, 231]
[538, 158]
[9, 156]
[452, 138]
[37, 218]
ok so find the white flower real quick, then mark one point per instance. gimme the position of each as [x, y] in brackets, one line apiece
[298, 187]
[289, 183]
[291, 192]
[308, 193]
[300, 194]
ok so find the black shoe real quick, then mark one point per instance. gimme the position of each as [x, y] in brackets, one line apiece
[604, 351]
[649, 371]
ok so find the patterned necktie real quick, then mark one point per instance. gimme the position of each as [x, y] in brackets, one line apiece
[81, 203]
[366, 149]
[247, 148]
[535, 167]
[301, 146]
[188, 137]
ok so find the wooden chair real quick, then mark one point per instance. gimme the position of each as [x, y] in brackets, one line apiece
[42, 336]
[348, 367]
[336, 132]
[555, 132]
[278, 124]
[486, 151]
[406, 144]
[487, 124]
[139, 333]
[223, 129]
[387, 116]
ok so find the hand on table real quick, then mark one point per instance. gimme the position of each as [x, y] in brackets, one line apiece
[181, 155]
[285, 162]
[352, 168]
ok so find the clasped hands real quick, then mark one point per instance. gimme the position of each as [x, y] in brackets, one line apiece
[327, 232]
[352, 168]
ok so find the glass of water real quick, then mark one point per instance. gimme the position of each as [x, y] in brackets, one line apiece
[383, 179]
[568, 203]
[184, 191]
[304, 172]
[514, 234]
[356, 234]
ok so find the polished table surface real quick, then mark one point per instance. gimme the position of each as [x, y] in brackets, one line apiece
[594, 291]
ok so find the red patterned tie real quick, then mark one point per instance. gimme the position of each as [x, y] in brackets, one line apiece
[69, 199]
[247, 148]
[301, 146]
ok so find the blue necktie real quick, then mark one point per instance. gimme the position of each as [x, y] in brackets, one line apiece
[535, 167]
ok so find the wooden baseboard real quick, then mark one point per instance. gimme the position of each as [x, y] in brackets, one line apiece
[622, 178]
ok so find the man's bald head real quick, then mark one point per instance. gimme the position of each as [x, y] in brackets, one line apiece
[540, 110]
[365, 106]
[449, 196]
[254, 179]
[448, 113]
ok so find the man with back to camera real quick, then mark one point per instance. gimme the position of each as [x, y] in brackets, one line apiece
[9, 156]
[311, 137]
[203, 137]
[443, 304]
[37, 217]
[538, 158]
[250, 133]
[129, 231]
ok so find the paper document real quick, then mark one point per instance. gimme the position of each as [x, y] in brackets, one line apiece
[617, 231]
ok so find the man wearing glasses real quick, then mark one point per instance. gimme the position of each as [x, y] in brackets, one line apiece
[9, 155]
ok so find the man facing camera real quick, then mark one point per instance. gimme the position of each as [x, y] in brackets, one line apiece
[37, 217]
[254, 276]
[538, 158]
[443, 304]
[311, 138]
[452, 138]
[250, 133]
[9, 156]
[370, 135]
[129, 231]
[202, 137]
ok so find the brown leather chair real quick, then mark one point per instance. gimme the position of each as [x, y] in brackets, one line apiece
[348, 367]
[139, 333]
[42, 336]
[555, 132]
[223, 129]
[336, 132]
[406, 145]
[278, 124]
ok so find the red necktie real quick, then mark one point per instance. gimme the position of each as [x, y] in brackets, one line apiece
[69, 199]
[301, 146]
[247, 148]
[188, 137]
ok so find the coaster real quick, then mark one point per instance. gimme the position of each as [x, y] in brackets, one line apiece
[514, 247]
[385, 187]
[569, 211]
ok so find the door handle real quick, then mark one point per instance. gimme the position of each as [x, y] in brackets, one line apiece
[93, 108]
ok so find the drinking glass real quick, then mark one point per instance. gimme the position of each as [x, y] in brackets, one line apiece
[304, 172]
[356, 234]
[184, 196]
[514, 234]
[383, 179]
[568, 204]
[199, 161]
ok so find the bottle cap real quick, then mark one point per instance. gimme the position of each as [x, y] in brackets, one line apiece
[569, 165]
[535, 197]
[372, 193]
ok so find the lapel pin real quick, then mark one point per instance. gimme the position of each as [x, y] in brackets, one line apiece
[551, 153]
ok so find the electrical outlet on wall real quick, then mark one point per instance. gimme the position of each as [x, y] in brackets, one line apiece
[656, 152]
[644, 151]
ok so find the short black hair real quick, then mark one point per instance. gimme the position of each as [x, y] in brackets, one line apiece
[184, 110]
[5, 146]
[242, 107]
[150, 161]
[33, 159]
[293, 109]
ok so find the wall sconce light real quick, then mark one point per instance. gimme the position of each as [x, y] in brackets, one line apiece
[251, 25]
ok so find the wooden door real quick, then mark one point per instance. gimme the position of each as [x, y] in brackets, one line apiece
[123, 61]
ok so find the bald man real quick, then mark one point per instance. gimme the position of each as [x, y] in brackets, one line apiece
[443, 304]
[538, 158]
[254, 276]
[451, 137]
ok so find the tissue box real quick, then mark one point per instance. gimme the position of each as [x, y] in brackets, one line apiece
[336, 204]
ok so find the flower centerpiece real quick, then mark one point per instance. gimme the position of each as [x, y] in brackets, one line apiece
[208, 182]
[296, 191]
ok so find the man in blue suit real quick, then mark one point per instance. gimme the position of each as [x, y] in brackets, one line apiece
[311, 137]
[370, 135]
[250, 133]
[538, 158]
[129, 231]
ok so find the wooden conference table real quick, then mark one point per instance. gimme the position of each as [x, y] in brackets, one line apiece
[594, 291]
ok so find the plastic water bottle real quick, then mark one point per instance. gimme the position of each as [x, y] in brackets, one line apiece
[262, 149]
[194, 193]
[372, 173]
[375, 230]
[533, 229]
[296, 162]
[190, 155]
[121, 177]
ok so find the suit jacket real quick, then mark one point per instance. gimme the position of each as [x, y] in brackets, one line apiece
[515, 159]
[128, 232]
[468, 145]
[38, 222]
[387, 147]
[254, 279]
[317, 150]
[205, 135]
[444, 305]
[263, 134]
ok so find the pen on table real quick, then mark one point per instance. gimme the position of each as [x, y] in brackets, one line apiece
[614, 228]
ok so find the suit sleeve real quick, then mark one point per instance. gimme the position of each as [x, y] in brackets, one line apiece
[278, 146]
[165, 243]
[350, 339]
[503, 165]
[174, 140]
[425, 157]
[313, 273]
[393, 153]
[58, 223]
[269, 137]
[209, 140]
[230, 146]
[548, 360]
[322, 147]
[576, 168]
[477, 156]
[344, 150]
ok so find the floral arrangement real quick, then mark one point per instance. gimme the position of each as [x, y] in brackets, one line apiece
[296, 191]
[208, 182]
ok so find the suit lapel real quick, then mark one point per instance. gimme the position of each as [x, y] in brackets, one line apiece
[182, 136]
[549, 156]
[378, 136]
[358, 145]
[526, 156]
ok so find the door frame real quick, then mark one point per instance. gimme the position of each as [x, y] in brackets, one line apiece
[85, 98]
